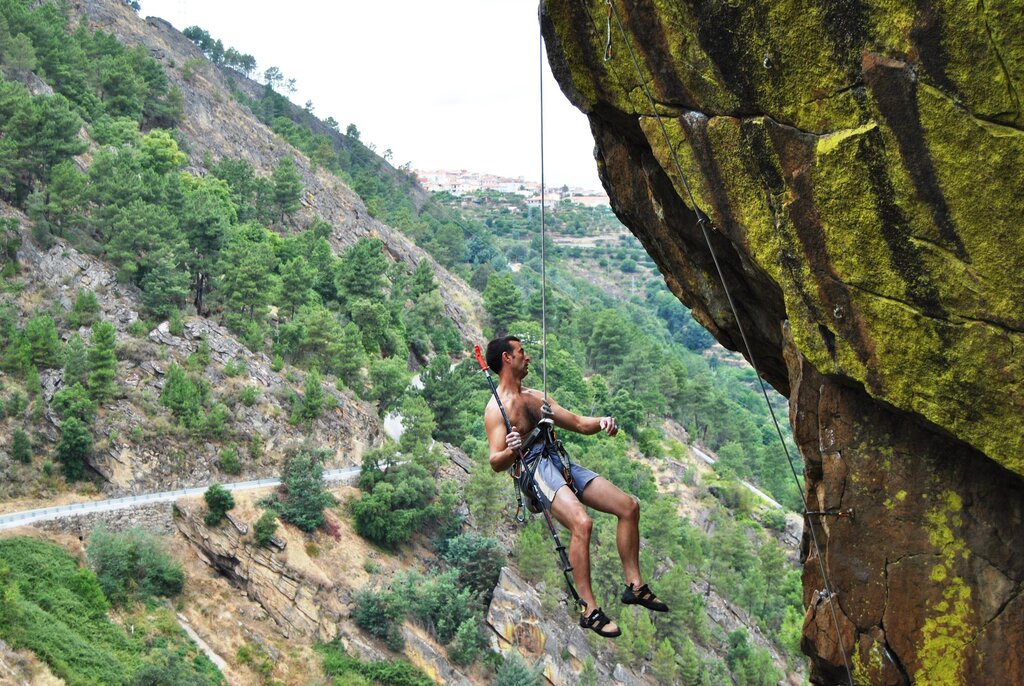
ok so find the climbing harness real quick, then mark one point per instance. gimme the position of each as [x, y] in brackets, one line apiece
[527, 481]
[703, 222]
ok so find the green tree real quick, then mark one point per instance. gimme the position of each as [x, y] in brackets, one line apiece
[85, 311]
[246, 265]
[417, 424]
[388, 381]
[74, 448]
[664, 666]
[207, 213]
[469, 641]
[350, 361]
[74, 360]
[133, 565]
[181, 396]
[218, 501]
[503, 302]
[287, 187]
[304, 497]
[21, 449]
[165, 286]
[360, 272]
[313, 399]
[478, 560]
[514, 671]
[74, 402]
[296, 278]
[41, 332]
[265, 527]
[101, 362]
[689, 663]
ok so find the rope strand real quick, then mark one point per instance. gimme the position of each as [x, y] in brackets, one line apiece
[543, 235]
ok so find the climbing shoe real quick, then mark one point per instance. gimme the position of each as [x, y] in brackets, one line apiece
[597, 622]
[643, 596]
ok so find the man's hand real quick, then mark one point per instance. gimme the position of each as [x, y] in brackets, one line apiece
[609, 426]
[513, 440]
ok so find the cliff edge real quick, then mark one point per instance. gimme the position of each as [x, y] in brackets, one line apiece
[861, 165]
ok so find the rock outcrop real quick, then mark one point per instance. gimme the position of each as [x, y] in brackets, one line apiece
[861, 166]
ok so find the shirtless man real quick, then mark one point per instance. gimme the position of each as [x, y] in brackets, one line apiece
[507, 359]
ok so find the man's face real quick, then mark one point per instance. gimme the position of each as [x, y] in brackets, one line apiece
[518, 360]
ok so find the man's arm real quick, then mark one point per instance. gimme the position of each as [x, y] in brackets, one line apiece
[582, 425]
[503, 443]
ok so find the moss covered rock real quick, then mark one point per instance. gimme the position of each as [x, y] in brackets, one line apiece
[862, 167]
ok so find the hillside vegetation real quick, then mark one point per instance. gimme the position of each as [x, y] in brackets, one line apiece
[216, 253]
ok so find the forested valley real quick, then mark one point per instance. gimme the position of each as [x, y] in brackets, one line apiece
[94, 161]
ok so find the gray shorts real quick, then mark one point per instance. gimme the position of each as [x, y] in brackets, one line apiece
[548, 474]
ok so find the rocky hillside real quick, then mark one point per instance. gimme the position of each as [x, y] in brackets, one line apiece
[208, 103]
[860, 165]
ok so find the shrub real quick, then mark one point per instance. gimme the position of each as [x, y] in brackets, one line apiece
[379, 614]
[478, 560]
[85, 311]
[21, 450]
[218, 500]
[265, 527]
[467, 644]
[249, 395]
[133, 565]
[228, 460]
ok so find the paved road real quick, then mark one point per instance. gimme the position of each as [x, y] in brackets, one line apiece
[751, 487]
[14, 519]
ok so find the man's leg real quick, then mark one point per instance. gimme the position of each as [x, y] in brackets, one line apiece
[573, 516]
[605, 496]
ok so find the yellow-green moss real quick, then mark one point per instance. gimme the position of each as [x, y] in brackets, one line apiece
[947, 624]
[868, 671]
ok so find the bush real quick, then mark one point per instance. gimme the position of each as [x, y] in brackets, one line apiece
[380, 614]
[249, 396]
[21, 450]
[265, 527]
[349, 671]
[478, 561]
[133, 565]
[467, 644]
[228, 460]
[218, 500]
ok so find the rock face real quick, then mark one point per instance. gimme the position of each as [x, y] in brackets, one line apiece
[861, 166]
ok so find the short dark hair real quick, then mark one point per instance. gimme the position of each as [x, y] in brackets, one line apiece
[497, 348]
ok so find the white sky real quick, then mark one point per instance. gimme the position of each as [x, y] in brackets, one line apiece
[444, 85]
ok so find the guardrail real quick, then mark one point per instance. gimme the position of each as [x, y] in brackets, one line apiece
[13, 519]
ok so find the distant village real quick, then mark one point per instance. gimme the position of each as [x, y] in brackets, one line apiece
[464, 182]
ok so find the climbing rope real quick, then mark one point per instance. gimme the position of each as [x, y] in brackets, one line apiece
[702, 222]
[543, 235]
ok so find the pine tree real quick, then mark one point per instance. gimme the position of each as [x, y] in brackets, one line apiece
[503, 302]
[85, 310]
[181, 396]
[296, 278]
[41, 331]
[350, 359]
[314, 398]
[101, 362]
[74, 448]
[664, 666]
[21, 450]
[361, 270]
[303, 480]
[689, 663]
[287, 187]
